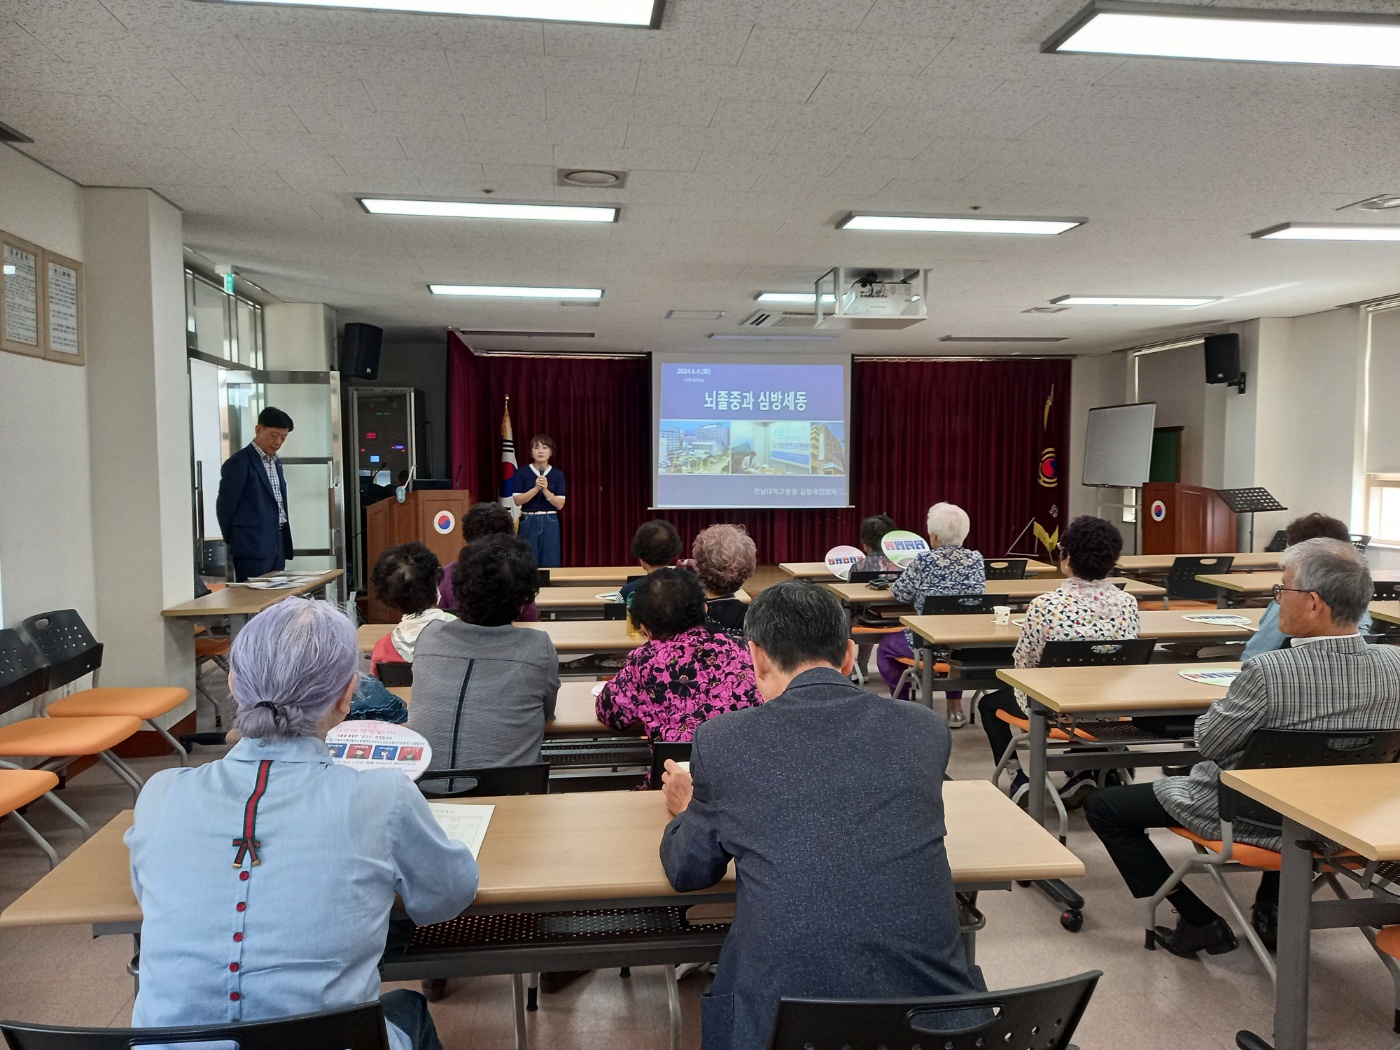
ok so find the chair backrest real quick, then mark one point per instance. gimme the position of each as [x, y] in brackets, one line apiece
[22, 676]
[1005, 568]
[1092, 653]
[1041, 1017]
[615, 611]
[542, 577]
[661, 750]
[1182, 582]
[949, 604]
[64, 645]
[354, 1028]
[1278, 543]
[1360, 540]
[1385, 591]
[395, 674]
[867, 575]
[1283, 748]
[493, 780]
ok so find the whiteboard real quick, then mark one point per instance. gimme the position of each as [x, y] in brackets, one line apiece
[1118, 445]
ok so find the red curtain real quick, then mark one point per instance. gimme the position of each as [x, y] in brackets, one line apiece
[968, 432]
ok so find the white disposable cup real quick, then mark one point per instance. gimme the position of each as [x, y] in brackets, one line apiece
[1002, 613]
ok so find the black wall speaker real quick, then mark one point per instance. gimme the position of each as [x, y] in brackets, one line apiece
[359, 351]
[1223, 358]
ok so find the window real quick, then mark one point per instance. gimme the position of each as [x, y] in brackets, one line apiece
[1383, 508]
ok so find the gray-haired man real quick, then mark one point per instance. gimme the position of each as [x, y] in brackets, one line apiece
[1328, 679]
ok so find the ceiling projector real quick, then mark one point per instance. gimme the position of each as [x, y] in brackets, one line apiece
[886, 299]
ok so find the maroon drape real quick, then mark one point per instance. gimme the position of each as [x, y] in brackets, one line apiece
[968, 432]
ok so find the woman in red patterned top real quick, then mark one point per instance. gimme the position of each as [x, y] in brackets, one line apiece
[685, 673]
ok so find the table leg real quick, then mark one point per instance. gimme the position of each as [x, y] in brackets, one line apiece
[1222, 598]
[1294, 941]
[925, 657]
[1039, 736]
[236, 623]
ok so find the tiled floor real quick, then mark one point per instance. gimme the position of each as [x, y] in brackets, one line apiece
[62, 975]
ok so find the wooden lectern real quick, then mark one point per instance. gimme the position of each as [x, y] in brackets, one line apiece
[432, 517]
[1193, 520]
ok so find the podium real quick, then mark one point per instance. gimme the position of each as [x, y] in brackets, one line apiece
[1185, 519]
[432, 517]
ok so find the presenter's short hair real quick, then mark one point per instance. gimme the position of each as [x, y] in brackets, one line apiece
[494, 579]
[406, 578]
[547, 442]
[796, 622]
[725, 556]
[1093, 546]
[657, 542]
[486, 519]
[668, 601]
[275, 418]
[873, 530]
[949, 523]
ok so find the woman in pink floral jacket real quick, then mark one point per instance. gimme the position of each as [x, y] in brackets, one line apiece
[685, 673]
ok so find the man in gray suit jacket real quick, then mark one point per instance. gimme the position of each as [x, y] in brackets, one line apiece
[830, 802]
[1328, 678]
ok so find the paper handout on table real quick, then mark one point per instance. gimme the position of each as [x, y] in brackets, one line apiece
[1227, 619]
[463, 823]
[1217, 677]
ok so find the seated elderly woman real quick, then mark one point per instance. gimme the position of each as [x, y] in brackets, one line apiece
[685, 673]
[243, 867]
[406, 579]
[482, 687]
[724, 558]
[1084, 607]
[946, 568]
[655, 545]
[482, 520]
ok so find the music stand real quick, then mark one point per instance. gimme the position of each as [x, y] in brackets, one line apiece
[1249, 501]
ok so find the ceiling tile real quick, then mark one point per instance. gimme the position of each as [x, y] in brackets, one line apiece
[843, 51]
[674, 41]
[676, 78]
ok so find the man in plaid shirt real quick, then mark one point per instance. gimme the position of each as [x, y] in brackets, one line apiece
[1328, 678]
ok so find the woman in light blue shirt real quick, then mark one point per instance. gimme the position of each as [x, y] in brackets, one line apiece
[265, 879]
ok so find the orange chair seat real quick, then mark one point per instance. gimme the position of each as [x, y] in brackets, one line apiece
[908, 661]
[19, 787]
[1388, 941]
[859, 630]
[205, 647]
[1024, 724]
[62, 737]
[138, 702]
[1250, 856]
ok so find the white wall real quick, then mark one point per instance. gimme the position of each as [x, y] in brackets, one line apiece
[1175, 380]
[46, 516]
[1095, 382]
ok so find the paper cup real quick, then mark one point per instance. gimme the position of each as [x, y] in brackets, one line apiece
[1002, 613]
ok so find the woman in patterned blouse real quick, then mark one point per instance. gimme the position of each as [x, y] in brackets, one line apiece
[948, 568]
[685, 673]
[1085, 608]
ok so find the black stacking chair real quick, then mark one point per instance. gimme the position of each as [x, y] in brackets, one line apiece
[661, 750]
[1005, 568]
[494, 780]
[395, 674]
[1181, 579]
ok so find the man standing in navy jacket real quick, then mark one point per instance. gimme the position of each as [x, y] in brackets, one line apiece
[829, 800]
[252, 504]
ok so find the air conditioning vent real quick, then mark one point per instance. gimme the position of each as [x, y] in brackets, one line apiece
[781, 319]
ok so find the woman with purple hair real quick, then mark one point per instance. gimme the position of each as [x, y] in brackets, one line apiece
[266, 878]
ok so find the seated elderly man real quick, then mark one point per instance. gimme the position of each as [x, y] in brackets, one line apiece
[266, 878]
[1328, 679]
[830, 802]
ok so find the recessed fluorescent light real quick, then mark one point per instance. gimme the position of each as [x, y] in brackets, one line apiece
[1133, 300]
[602, 12]
[955, 224]
[499, 291]
[810, 298]
[1122, 27]
[769, 338]
[11, 269]
[1327, 231]
[489, 210]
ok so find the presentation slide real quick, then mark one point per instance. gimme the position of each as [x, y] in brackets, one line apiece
[756, 433]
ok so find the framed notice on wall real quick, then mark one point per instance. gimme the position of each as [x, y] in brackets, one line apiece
[22, 287]
[63, 300]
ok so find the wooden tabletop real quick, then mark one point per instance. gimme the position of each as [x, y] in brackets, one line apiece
[588, 597]
[569, 636]
[1117, 690]
[597, 845]
[591, 574]
[1256, 583]
[1164, 625]
[1356, 806]
[817, 570]
[1386, 612]
[575, 712]
[1243, 562]
[1015, 590]
[245, 601]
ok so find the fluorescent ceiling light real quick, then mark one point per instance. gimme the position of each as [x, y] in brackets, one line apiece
[809, 298]
[1122, 27]
[1327, 231]
[498, 291]
[491, 210]
[11, 269]
[769, 338]
[602, 12]
[1133, 300]
[955, 224]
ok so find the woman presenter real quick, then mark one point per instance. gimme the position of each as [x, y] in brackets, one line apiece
[539, 493]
